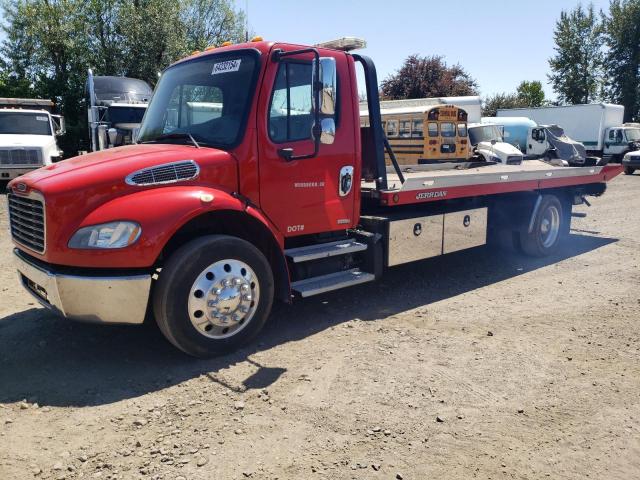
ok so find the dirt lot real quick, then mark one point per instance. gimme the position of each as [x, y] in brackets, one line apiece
[476, 365]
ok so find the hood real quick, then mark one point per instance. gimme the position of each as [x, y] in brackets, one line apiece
[502, 147]
[110, 167]
[20, 140]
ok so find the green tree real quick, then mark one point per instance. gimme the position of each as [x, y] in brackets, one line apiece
[530, 94]
[577, 65]
[421, 77]
[50, 44]
[498, 101]
[622, 36]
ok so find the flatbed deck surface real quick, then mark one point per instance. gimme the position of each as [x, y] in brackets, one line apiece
[429, 185]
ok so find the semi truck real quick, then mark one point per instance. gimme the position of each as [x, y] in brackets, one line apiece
[115, 107]
[598, 126]
[28, 131]
[278, 194]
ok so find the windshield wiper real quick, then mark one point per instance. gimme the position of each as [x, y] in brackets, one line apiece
[168, 136]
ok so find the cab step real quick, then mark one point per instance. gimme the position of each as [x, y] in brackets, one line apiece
[324, 250]
[333, 281]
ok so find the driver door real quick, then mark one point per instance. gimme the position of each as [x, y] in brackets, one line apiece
[310, 195]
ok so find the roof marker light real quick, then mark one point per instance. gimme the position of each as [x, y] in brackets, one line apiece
[227, 43]
[210, 47]
[257, 38]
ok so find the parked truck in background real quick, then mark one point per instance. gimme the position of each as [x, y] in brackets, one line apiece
[115, 107]
[546, 142]
[278, 192]
[598, 126]
[28, 131]
[487, 143]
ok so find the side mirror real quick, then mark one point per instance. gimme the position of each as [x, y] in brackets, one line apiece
[327, 95]
[59, 126]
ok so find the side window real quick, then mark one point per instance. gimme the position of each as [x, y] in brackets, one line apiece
[612, 134]
[433, 129]
[416, 129]
[290, 115]
[392, 128]
[405, 128]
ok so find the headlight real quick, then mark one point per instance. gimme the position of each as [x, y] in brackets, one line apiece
[495, 159]
[106, 235]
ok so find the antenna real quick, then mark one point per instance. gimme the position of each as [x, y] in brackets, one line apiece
[246, 20]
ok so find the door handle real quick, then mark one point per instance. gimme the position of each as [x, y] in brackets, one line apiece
[286, 153]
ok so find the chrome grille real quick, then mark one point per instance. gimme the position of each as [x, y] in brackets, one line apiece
[20, 156]
[26, 218]
[167, 173]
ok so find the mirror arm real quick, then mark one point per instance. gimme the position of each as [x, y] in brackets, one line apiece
[287, 153]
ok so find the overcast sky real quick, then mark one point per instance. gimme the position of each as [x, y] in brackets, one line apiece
[500, 43]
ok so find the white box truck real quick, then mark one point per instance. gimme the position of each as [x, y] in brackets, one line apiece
[598, 126]
[28, 133]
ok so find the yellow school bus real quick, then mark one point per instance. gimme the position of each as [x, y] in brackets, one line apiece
[425, 134]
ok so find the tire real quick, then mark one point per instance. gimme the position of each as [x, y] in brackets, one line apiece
[550, 228]
[629, 170]
[214, 295]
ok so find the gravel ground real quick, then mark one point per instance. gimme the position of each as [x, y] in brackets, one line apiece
[476, 365]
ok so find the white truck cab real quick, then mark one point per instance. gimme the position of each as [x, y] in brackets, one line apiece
[28, 133]
[487, 142]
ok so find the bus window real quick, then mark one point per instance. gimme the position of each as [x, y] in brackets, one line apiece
[416, 129]
[392, 128]
[462, 129]
[405, 128]
[448, 129]
[433, 129]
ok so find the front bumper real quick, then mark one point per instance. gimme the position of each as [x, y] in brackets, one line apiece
[11, 173]
[97, 299]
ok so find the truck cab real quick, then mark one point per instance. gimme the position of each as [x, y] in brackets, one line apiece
[115, 107]
[618, 141]
[28, 132]
[488, 143]
[253, 181]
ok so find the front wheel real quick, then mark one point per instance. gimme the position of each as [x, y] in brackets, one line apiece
[550, 226]
[629, 170]
[214, 294]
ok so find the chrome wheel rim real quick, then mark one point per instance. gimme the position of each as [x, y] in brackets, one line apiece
[224, 298]
[550, 226]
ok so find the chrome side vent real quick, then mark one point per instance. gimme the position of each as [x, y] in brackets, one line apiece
[162, 174]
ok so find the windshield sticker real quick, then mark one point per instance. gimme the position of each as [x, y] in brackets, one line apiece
[226, 67]
[41, 119]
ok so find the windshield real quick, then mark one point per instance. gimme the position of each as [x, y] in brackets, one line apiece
[207, 98]
[485, 133]
[633, 134]
[24, 123]
[125, 115]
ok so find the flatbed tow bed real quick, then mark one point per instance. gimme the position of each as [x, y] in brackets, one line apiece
[263, 195]
[429, 185]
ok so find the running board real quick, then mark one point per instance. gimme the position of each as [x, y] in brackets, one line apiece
[324, 250]
[333, 281]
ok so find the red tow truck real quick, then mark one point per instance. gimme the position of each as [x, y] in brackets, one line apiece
[252, 180]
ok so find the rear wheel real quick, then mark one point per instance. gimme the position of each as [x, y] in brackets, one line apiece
[214, 294]
[629, 170]
[550, 226]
